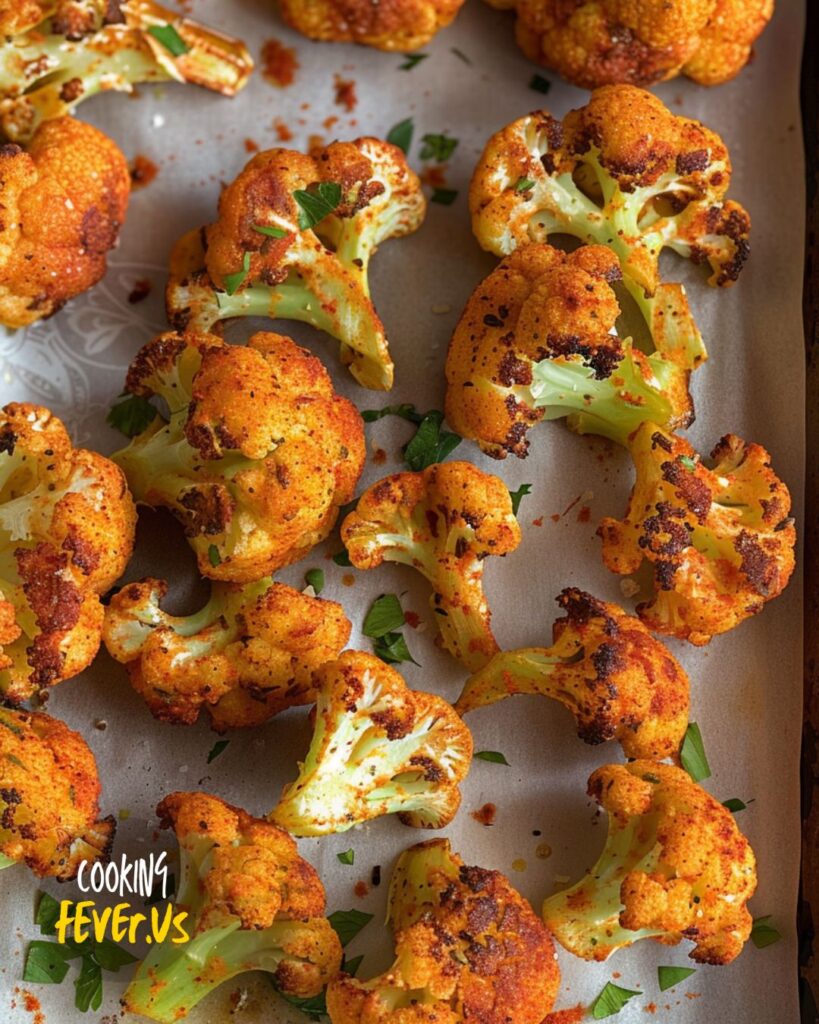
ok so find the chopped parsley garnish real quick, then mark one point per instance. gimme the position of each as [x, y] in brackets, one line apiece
[233, 282]
[213, 556]
[131, 414]
[315, 579]
[438, 147]
[217, 749]
[668, 977]
[518, 496]
[317, 203]
[269, 230]
[348, 857]
[493, 756]
[412, 60]
[692, 754]
[401, 134]
[763, 932]
[611, 1001]
[348, 923]
[540, 84]
[169, 38]
[524, 184]
[444, 196]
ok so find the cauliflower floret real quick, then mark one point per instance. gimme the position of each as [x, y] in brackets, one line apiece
[625, 172]
[535, 342]
[401, 25]
[64, 199]
[293, 241]
[378, 748]
[720, 540]
[607, 669]
[639, 42]
[443, 521]
[49, 809]
[67, 527]
[675, 866]
[468, 947]
[258, 455]
[247, 655]
[56, 54]
[252, 903]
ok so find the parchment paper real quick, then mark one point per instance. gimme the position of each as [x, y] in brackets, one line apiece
[746, 685]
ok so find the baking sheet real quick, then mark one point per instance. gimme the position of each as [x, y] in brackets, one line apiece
[746, 685]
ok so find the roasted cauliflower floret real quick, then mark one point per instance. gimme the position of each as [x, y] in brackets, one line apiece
[66, 533]
[247, 655]
[625, 172]
[401, 25]
[293, 241]
[49, 797]
[675, 866]
[257, 456]
[607, 669]
[377, 748]
[536, 342]
[443, 522]
[639, 42]
[64, 199]
[253, 904]
[468, 947]
[720, 540]
[56, 54]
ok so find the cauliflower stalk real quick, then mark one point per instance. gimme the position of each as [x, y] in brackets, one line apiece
[624, 172]
[67, 527]
[293, 241]
[49, 797]
[443, 521]
[675, 866]
[401, 25]
[607, 669]
[468, 947]
[537, 341]
[377, 748]
[257, 455]
[64, 199]
[720, 540]
[253, 904]
[605, 42]
[248, 654]
[68, 50]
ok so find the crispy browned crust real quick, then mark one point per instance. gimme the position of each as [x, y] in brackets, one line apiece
[740, 507]
[640, 42]
[49, 796]
[64, 200]
[389, 25]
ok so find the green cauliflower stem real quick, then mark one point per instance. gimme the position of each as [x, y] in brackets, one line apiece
[46, 70]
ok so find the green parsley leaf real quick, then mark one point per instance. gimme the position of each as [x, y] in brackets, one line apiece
[492, 755]
[444, 196]
[317, 203]
[314, 1007]
[460, 55]
[406, 411]
[392, 649]
[351, 966]
[438, 147]
[611, 1000]
[763, 932]
[401, 134]
[213, 556]
[385, 616]
[689, 463]
[88, 985]
[518, 496]
[523, 184]
[131, 414]
[217, 749]
[111, 957]
[157, 895]
[233, 282]
[412, 60]
[169, 38]
[540, 84]
[45, 964]
[342, 558]
[668, 977]
[315, 578]
[48, 913]
[692, 754]
[269, 230]
[430, 444]
[348, 923]
[348, 857]
[734, 804]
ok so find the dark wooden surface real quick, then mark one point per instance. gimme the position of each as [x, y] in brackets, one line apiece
[809, 894]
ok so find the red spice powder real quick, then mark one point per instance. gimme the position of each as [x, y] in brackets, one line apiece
[555, 518]
[361, 889]
[485, 815]
[279, 63]
[584, 515]
[32, 1005]
[538, 521]
[345, 93]
[379, 456]
[143, 171]
[283, 133]
[348, 579]
[412, 619]
[573, 1016]
[140, 291]
[435, 177]
[330, 122]
[251, 145]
